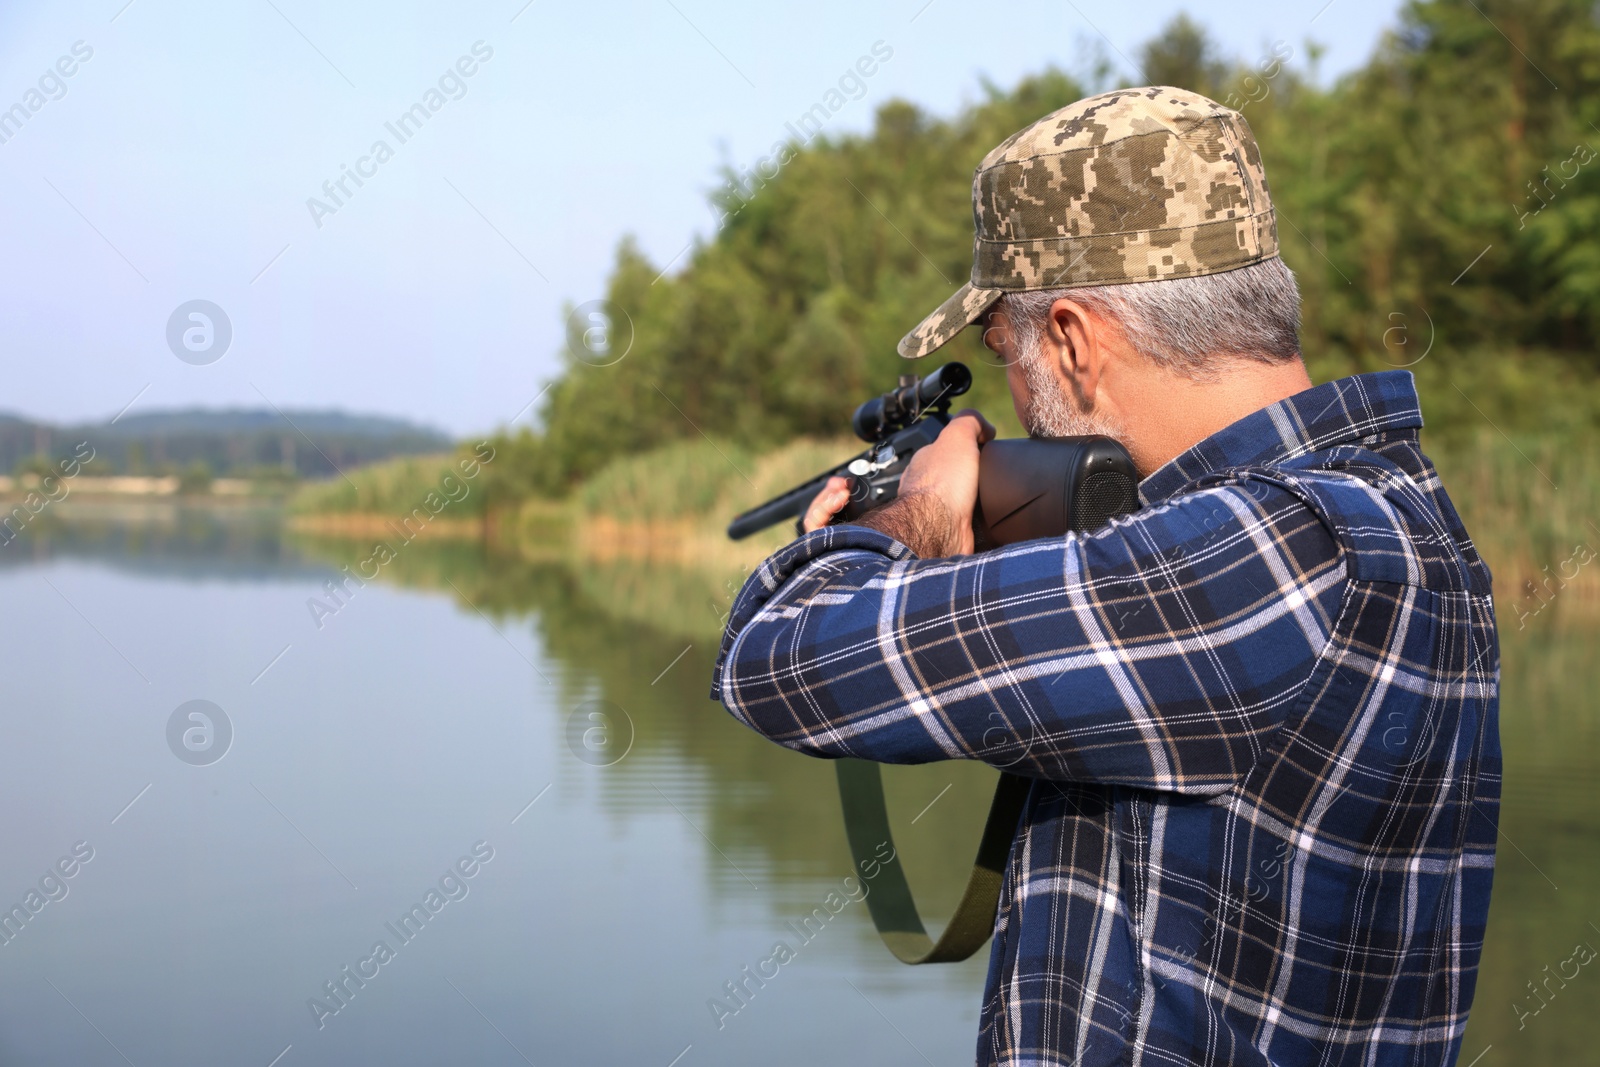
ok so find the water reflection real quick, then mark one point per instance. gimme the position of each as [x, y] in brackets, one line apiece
[245, 543]
[765, 809]
[372, 749]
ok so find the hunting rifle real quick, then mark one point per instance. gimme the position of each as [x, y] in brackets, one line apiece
[1028, 488]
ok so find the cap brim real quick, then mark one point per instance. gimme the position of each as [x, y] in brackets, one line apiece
[954, 315]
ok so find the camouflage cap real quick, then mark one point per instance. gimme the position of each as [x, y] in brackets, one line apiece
[1130, 186]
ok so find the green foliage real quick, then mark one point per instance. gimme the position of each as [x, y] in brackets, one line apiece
[705, 480]
[521, 469]
[1527, 503]
[34, 466]
[1448, 145]
[396, 487]
[1443, 198]
[195, 479]
[1183, 55]
[683, 478]
[270, 478]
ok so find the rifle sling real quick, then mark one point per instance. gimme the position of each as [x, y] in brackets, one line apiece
[894, 912]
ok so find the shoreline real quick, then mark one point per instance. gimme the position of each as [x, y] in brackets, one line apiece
[353, 525]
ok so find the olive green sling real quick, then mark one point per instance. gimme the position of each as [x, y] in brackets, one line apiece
[894, 912]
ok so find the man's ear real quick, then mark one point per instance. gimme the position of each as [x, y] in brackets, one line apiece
[1079, 338]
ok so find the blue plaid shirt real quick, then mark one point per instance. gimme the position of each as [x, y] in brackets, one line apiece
[1261, 718]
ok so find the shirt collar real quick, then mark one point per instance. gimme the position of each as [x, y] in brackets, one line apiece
[1335, 413]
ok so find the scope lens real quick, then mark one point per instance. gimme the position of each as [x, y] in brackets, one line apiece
[950, 380]
[868, 419]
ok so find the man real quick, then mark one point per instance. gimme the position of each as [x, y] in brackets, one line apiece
[1260, 713]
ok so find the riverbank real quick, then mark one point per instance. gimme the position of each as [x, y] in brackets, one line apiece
[671, 504]
[1529, 505]
[363, 525]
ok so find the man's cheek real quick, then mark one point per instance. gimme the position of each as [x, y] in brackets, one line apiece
[1019, 393]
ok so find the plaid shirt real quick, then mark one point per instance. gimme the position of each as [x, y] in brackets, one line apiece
[1261, 718]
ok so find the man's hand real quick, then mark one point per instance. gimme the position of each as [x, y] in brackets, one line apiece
[948, 471]
[826, 504]
[932, 515]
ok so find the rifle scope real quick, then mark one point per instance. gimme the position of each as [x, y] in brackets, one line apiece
[910, 400]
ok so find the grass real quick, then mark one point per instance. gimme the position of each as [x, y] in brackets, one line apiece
[702, 480]
[1529, 503]
[681, 479]
[674, 502]
[394, 488]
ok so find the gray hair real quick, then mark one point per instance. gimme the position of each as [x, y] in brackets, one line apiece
[1190, 326]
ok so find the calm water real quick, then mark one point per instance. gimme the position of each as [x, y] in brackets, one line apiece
[623, 868]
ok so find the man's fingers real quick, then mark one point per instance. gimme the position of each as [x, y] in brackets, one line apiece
[826, 504]
[985, 432]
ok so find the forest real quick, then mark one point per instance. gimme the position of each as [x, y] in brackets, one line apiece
[1439, 207]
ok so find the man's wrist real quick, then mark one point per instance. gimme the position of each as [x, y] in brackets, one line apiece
[920, 521]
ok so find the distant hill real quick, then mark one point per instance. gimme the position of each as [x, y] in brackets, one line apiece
[231, 442]
[236, 420]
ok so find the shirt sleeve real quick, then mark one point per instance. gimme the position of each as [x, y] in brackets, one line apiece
[1159, 651]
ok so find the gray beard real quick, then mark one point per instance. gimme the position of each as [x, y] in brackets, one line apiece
[1051, 412]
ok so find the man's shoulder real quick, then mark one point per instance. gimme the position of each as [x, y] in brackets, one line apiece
[1393, 524]
[1230, 527]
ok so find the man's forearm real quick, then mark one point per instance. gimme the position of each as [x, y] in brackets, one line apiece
[842, 645]
[920, 521]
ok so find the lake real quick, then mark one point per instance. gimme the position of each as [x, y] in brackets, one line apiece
[227, 784]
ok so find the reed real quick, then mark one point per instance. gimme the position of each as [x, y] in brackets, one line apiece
[393, 488]
[1532, 506]
[1531, 502]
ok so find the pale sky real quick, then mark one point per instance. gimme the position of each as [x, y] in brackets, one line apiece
[176, 161]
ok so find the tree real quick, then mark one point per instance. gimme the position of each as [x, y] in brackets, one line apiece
[1183, 55]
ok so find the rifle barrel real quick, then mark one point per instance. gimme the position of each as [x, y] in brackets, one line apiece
[787, 506]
